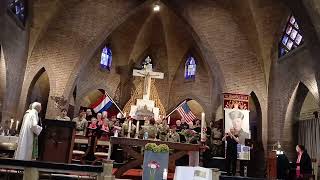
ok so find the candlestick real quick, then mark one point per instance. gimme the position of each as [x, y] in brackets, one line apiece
[165, 174]
[11, 124]
[116, 133]
[17, 125]
[169, 120]
[129, 129]
[137, 129]
[203, 129]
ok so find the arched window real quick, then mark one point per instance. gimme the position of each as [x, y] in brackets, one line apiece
[291, 38]
[106, 58]
[190, 68]
[18, 8]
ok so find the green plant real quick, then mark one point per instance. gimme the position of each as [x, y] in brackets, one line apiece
[150, 146]
[162, 148]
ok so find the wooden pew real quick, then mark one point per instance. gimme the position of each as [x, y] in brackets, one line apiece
[32, 168]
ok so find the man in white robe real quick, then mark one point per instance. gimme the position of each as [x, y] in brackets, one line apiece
[29, 130]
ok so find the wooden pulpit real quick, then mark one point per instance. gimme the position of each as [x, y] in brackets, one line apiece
[272, 165]
[56, 141]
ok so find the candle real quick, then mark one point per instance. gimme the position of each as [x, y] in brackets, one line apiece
[203, 131]
[165, 174]
[125, 114]
[11, 124]
[116, 133]
[169, 120]
[17, 125]
[137, 129]
[129, 129]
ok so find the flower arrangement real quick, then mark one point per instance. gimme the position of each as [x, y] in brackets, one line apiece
[189, 134]
[162, 148]
[154, 166]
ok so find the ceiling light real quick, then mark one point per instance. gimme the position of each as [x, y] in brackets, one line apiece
[156, 7]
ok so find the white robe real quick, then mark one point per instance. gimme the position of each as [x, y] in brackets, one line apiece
[29, 129]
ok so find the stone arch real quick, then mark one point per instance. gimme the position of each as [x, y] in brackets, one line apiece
[255, 117]
[288, 135]
[97, 44]
[256, 128]
[39, 90]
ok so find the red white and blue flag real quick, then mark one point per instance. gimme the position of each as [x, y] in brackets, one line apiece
[186, 113]
[102, 104]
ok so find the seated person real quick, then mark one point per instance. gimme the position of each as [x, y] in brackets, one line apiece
[81, 123]
[63, 116]
[173, 136]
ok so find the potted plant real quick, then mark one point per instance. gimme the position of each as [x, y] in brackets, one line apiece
[190, 135]
[156, 159]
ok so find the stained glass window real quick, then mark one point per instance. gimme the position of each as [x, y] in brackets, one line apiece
[106, 58]
[292, 37]
[190, 68]
[18, 7]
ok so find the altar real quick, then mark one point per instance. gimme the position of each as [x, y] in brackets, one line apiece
[180, 150]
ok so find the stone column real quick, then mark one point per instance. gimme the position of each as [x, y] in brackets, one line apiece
[107, 171]
[31, 174]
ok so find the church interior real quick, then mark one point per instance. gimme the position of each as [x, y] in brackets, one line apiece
[176, 74]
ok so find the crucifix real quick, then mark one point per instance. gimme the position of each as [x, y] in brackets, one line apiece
[148, 74]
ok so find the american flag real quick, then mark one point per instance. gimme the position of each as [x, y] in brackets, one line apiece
[186, 113]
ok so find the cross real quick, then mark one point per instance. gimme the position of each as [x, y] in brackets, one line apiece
[148, 74]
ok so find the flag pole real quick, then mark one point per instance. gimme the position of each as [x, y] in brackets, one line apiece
[106, 93]
[176, 108]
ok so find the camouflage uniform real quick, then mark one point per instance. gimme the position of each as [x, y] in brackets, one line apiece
[152, 131]
[173, 137]
[125, 129]
[163, 131]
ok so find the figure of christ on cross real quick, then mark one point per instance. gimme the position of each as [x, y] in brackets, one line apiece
[148, 74]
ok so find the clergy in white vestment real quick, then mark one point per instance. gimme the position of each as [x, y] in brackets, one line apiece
[27, 143]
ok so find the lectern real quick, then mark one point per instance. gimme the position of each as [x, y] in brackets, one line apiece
[56, 141]
[272, 165]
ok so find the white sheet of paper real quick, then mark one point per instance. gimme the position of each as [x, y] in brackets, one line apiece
[192, 173]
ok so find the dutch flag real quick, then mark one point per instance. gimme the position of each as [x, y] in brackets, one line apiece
[102, 104]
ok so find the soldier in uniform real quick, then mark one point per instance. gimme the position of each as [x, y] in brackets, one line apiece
[125, 128]
[163, 130]
[81, 124]
[151, 129]
[173, 136]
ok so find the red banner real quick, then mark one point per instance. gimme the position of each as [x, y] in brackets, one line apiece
[240, 101]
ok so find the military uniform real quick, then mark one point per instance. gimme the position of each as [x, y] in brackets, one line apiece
[151, 130]
[163, 131]
[173, 137]
[125, 129]
[81, 125]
